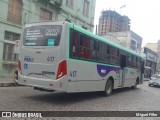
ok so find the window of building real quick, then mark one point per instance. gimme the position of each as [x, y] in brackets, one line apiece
[138, 48]
[15, 11]
[45, 15]
[133, 45]
[69, 3]
[11, 36]
[8, 52]
[8, 48]
[86, 8]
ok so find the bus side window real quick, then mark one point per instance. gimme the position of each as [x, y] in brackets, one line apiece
[129, 61]
[74, 44]
[85, 47]
[142, 66]
[93, 49]
[102, 52]
[137, 62]
[134, 61]
[114, 55]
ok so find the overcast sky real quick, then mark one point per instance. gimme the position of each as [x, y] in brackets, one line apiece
[144, 16]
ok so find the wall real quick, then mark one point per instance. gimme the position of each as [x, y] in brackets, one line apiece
[121, 38]
[30, 14]
[7, 68]
[124, 39]
[76, 13]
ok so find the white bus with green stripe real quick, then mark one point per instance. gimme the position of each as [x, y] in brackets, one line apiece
[60, 56]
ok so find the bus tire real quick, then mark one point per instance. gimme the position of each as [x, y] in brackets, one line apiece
[135, 86]
[108, 88]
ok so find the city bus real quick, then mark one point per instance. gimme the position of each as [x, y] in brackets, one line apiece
[60, 56]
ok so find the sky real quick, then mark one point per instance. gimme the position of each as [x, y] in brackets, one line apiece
[144, 16]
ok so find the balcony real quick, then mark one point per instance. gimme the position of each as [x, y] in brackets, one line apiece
[56, 2]
[52, 4]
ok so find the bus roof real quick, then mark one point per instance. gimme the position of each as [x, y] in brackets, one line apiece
[104, 40]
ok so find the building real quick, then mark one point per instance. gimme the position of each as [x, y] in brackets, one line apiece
[128, 39]
[152, 46]
[116, 28]
[150, 62]
[15, 13]
[155, 47]
[111, 21]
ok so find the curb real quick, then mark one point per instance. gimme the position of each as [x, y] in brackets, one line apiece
[7, 84]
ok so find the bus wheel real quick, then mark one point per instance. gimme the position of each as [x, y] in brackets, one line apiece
[108, 88]
[135, 86]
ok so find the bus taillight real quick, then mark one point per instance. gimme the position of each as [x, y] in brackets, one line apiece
[62, 69]
[19, 67]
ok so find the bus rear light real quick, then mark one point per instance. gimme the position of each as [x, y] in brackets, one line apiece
[19, 67]
[62, 69]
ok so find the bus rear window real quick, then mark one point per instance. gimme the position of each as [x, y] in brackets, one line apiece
[42, 35]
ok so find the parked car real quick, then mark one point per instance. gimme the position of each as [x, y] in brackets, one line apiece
[155, 80]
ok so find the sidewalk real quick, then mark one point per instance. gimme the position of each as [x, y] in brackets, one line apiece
[7, 82]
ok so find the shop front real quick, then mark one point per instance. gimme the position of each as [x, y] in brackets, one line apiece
[150, 64]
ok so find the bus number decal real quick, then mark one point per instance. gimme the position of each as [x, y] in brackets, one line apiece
[73, 73]
[25, 66]
[28, 59]
[50, 58]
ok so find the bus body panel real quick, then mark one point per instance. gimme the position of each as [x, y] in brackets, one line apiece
[131, 76]
[40, 64]
[88, 76]
[36, 63]
[41, 83]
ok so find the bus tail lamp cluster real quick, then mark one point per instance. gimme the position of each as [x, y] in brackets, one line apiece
[62, 69]
[19, 67]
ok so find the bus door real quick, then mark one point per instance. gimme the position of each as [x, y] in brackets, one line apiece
[142, 71]
[122, 71]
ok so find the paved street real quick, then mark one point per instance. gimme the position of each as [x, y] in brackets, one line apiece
[26, 99]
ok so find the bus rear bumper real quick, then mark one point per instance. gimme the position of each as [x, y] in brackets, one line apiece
[43, 84]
